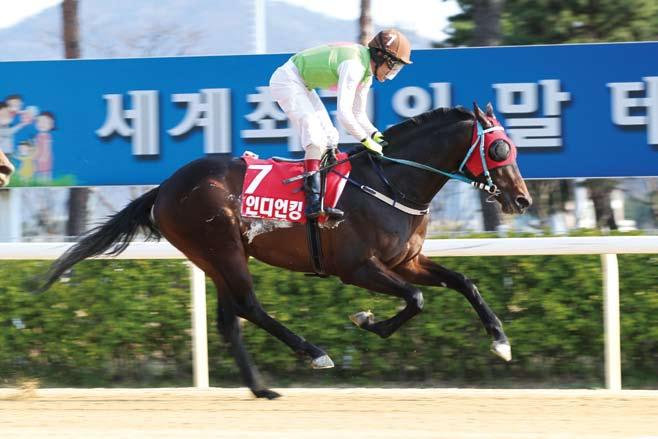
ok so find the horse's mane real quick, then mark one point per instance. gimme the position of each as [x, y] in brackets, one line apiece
[430, 119]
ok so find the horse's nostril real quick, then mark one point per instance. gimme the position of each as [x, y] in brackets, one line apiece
[7, 170]
[522, 202]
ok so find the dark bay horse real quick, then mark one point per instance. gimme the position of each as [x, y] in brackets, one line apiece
[377, 246]
[6, 169]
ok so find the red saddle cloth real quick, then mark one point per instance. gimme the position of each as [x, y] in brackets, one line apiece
[264, 195]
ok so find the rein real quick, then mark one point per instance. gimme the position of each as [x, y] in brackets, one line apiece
[324, 168]
[488, 187]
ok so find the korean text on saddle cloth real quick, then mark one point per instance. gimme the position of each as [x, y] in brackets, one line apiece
[264, 195]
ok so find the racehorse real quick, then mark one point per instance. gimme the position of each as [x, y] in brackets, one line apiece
[377, 246]
[6, 169]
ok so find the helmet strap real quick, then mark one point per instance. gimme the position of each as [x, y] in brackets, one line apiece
[378, 56]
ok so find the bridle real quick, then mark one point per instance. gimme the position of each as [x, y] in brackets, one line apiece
[480, 140]
[483, 139]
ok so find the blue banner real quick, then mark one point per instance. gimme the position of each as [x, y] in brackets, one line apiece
[573, 110]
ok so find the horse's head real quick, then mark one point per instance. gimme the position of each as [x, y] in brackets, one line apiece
[6, 169]
[499, 162]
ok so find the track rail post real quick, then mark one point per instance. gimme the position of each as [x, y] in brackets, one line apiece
[199, 328]
[611, 324]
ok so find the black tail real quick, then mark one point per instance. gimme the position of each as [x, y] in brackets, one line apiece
[115, 234]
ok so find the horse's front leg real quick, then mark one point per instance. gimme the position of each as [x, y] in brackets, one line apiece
[375, 276]
[423, 271]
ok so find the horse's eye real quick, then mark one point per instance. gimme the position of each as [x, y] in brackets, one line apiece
[499, 151]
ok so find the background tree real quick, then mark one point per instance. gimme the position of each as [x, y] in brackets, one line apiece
[600, 191]
[78, 197]
[554, 22]
[486, 17]
[365, 23]
[563, 21]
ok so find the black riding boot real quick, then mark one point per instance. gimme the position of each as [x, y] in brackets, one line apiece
[312, 189]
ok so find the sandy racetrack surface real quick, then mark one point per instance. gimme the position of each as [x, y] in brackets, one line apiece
[328, 413]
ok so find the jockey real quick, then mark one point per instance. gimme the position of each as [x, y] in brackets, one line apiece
[349, 67]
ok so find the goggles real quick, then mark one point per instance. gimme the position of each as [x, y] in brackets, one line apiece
[394, 70]
[394, 65]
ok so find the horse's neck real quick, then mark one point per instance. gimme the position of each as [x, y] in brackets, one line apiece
[444, 154]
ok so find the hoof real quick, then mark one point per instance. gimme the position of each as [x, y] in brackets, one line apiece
[266, 393]
[323, 362]
[361, 318]
[502, 349]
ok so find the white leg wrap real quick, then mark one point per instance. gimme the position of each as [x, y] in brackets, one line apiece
[323, 362]
[361, 317]
[502, 349]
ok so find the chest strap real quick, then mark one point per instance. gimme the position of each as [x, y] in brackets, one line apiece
[391, 202]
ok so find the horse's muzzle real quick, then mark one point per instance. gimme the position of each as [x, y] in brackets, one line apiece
[514, 197]
[6, 169]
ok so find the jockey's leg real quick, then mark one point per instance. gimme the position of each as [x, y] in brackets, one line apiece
[325, 121]
[330, 133]
[310, 118]
[423, 271]
[312, 185]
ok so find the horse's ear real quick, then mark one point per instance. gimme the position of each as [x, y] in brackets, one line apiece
[480, 116]
[489, 110]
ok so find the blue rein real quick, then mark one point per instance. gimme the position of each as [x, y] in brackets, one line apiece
[489, 187]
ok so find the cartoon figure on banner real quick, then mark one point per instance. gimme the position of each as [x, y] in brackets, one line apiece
[22, 118]
[43, 144]
[25, 137]
[11, 121]
[25, 157]
[15, 104]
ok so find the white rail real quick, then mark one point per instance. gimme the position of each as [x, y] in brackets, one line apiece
[607, 247]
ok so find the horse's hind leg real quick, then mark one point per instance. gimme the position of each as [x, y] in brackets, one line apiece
[257, 315]
[239, 287]
[229, 328]
[227, 321]
[248, 307]
[424, 271]
[375, 276]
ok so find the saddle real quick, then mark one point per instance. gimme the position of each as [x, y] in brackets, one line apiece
[268, 193]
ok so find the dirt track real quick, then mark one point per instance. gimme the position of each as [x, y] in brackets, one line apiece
[328, 413]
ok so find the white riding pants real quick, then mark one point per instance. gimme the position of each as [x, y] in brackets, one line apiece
[304, 109]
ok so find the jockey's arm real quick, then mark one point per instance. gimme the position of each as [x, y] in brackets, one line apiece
[360, 104]
[350, 74]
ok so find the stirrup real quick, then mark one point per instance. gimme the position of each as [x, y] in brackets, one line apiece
[333, 213]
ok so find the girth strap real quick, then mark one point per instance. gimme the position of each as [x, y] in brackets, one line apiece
[315, 246]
